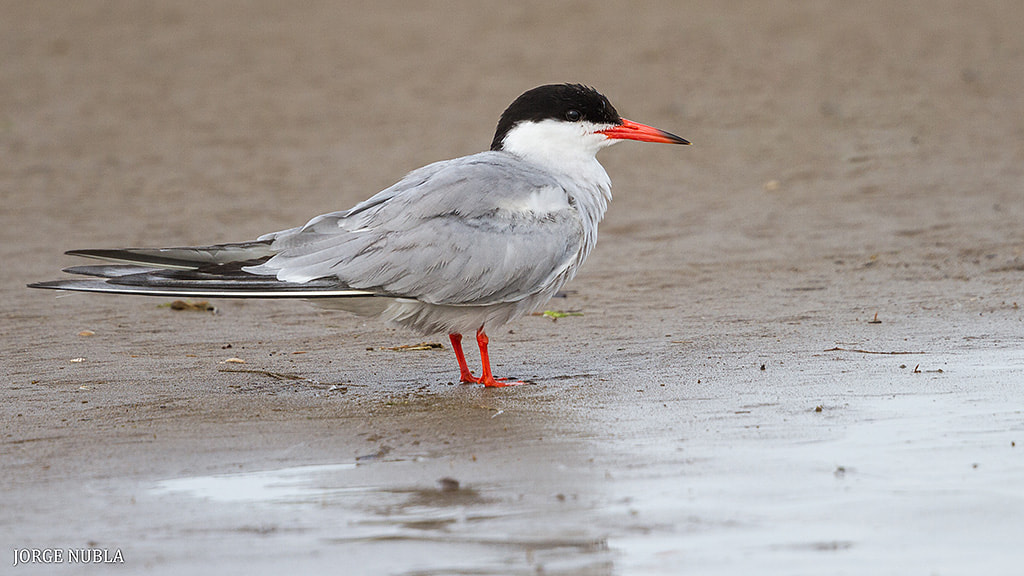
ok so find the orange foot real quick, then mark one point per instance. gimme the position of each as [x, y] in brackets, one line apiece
[493, 382]
[485, 377]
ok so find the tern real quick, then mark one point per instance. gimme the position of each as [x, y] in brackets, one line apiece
[454, 247]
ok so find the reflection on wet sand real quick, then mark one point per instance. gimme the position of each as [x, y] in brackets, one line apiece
[410, 511]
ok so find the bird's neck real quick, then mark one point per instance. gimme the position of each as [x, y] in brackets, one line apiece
[585, 181]
[567, 151]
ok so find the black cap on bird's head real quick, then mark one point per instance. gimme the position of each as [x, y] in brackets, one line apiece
[574, 103]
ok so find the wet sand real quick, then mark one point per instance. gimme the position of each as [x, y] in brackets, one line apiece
[801, 348]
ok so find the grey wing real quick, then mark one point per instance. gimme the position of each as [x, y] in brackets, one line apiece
[478, 230]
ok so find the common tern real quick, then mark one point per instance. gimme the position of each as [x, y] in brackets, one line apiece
[454, 247]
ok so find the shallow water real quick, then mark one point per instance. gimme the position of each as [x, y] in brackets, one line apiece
[399, 527]
[884, 483]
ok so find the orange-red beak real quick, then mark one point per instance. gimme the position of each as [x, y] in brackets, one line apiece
[630, 130]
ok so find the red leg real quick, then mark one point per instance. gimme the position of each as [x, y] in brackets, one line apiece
[464, 374]
[486, 378]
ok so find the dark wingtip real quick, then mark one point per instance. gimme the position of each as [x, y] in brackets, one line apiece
[94, 252]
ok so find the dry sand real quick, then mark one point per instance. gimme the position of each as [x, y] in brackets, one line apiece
[725, 405]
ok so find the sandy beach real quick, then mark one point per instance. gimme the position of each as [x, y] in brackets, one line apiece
[798, 347]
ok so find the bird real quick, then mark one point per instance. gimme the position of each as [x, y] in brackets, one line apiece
[458, 246]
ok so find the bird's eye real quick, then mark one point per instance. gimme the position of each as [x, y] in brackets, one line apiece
[573, 116]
